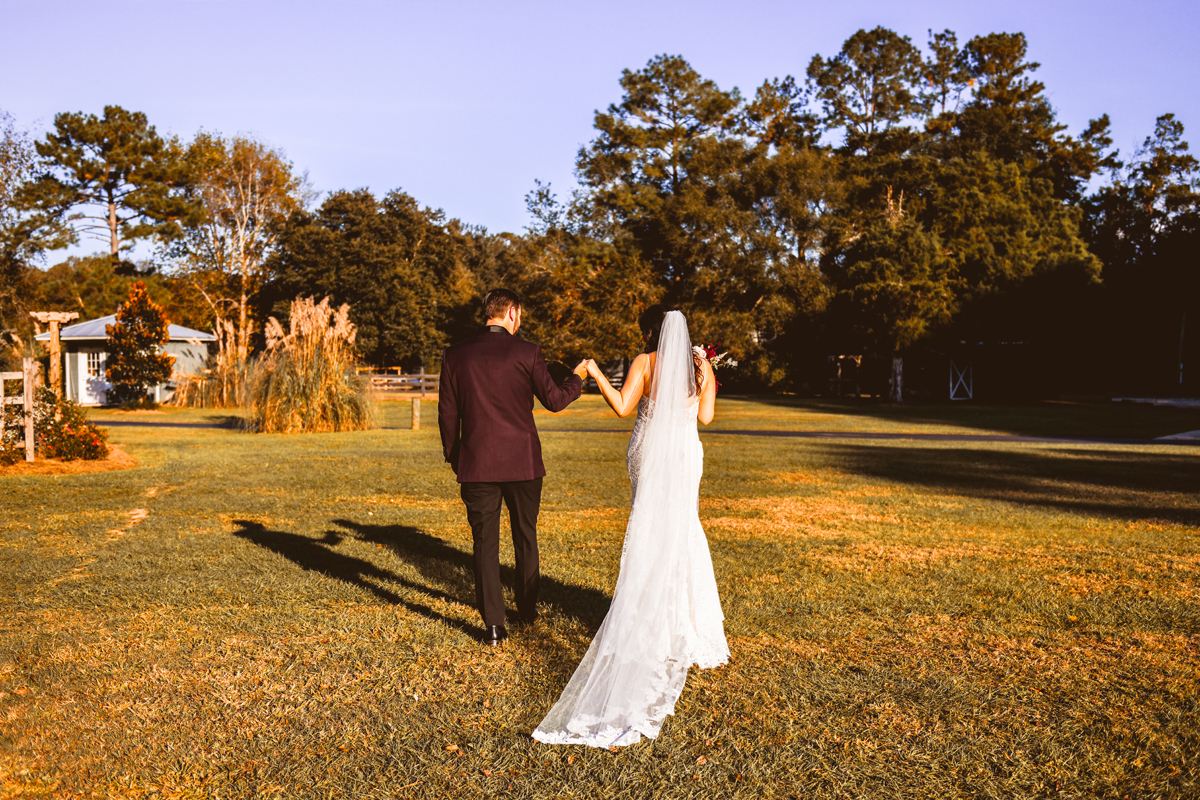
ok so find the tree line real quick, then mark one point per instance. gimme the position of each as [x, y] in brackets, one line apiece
[892, 199]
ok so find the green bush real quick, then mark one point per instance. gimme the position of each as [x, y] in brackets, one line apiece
[60, 428]
[69, 441]
[136, 362]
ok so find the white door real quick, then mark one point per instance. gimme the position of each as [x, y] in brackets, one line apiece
[93, 387]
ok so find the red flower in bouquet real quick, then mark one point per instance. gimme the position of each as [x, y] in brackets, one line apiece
[715, 358]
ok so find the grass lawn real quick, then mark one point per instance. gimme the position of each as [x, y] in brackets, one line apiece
[251, 615]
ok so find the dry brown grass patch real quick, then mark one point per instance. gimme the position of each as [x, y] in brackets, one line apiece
[401, 501]
[793, 478]
[789, 516]
[116, 459]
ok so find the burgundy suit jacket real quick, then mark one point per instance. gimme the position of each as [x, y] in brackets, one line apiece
[485, 406]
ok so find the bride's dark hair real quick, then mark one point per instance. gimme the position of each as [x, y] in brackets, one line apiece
[651, 322]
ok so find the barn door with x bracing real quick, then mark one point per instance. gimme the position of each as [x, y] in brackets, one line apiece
[962, 381]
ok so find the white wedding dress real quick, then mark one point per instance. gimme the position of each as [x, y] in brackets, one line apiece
[665, 614]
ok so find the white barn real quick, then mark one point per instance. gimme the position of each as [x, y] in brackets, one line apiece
[85, 359]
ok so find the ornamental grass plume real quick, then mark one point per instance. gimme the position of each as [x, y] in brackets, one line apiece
[305, 381]
[224, 384]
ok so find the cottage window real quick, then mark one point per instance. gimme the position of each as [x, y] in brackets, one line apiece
[94, 364]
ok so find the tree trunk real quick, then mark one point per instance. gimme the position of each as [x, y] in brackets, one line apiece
[243, 306]
[243, 329]
[1182, 326]
[896, 383]
[114, 239]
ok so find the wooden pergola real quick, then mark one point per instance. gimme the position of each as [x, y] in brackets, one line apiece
[54, 319]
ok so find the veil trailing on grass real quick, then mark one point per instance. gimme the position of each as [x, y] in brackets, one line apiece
[665, 614]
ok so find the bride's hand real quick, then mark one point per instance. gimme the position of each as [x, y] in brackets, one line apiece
[592, 367]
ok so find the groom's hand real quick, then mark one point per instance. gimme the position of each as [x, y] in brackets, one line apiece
[581, 369]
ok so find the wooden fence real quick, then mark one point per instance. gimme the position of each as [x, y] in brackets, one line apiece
[391, 383]
[28, 376]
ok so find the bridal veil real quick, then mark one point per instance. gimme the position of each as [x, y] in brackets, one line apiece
[665, 614]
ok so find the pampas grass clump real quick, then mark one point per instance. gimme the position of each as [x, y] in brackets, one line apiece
[306, 381]
[224, 385]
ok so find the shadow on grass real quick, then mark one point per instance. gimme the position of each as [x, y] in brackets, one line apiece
[1083, 419]
[318, 555]
[448, 571]
[230, 422]
[453, 570]
[1121, 484]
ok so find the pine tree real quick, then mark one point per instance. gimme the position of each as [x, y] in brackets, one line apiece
[135, 362]
[1145, 225]
[112, 178]
[869, 87]
[719, 199]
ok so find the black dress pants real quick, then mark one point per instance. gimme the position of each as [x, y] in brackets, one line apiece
[523, 499]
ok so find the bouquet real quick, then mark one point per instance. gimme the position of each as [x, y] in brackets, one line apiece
[715, 360]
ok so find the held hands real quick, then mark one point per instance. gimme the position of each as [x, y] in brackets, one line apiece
[585, 368]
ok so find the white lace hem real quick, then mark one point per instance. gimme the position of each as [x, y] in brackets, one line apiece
[590, 731]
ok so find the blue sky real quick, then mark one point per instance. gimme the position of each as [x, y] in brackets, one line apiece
[463, 105]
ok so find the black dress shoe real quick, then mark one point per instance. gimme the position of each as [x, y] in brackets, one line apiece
[494, 635]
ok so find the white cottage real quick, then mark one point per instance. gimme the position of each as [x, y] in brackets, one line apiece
[85, 358]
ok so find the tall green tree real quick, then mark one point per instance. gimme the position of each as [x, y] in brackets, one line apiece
[1002, 226]
[135, 339]
[113, 178]
[399, 266]
[23, 237]
[893, 288]
[990, 180]
[692, 184]
[581, 294]
[1145, 225]
[998, 228]
[870, 87]
[1010, 118]
[664, 140]
[946, 80]
[779, 115]
[1004, 198]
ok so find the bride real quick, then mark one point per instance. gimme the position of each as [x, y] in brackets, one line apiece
[665, 614]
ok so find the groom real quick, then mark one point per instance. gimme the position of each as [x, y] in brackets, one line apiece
[485, 414]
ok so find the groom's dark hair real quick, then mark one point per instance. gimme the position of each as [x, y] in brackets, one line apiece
[497, 302]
